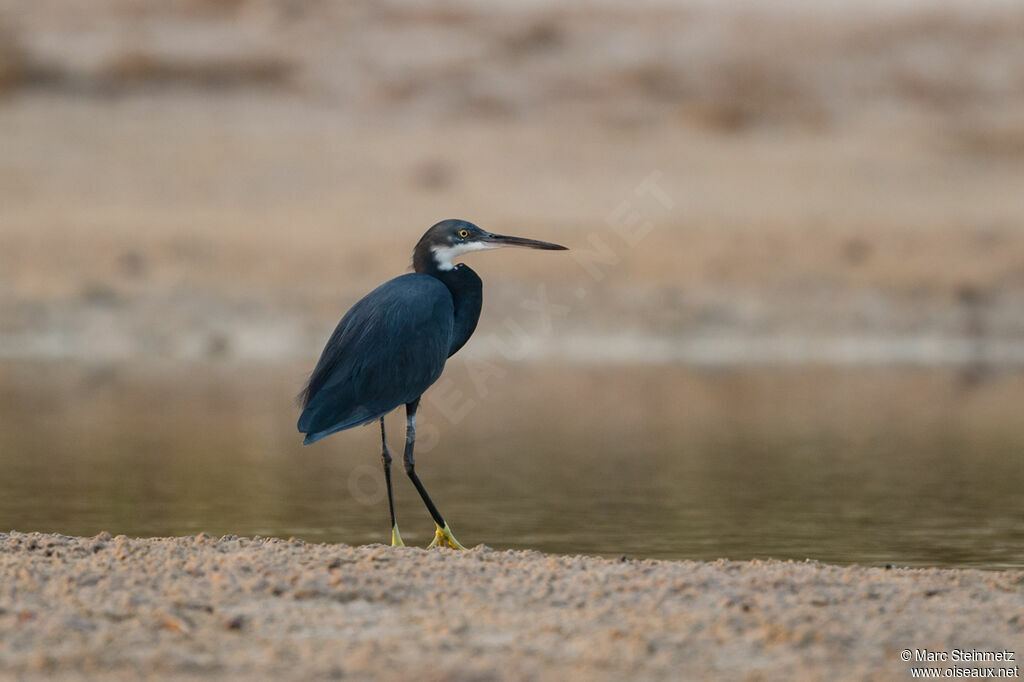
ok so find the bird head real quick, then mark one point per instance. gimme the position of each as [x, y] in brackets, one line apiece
[449, 239]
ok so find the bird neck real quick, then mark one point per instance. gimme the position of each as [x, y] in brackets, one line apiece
[423, 260]
[468, 297]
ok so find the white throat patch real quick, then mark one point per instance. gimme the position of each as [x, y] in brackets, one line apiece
[444, 255]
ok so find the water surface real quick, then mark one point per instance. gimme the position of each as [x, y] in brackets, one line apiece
[919, 468]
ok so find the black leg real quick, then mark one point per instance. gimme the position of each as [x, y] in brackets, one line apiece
[444, 535]
[385, 454]
[410, 461]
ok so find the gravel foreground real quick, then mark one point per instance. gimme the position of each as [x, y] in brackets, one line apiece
[239, 608]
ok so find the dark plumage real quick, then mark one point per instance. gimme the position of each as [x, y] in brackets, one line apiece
[392, 345]
[386, 351]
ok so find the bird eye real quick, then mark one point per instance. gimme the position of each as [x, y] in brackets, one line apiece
[463, 233]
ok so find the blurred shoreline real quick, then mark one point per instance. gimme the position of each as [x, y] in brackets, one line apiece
[219, 179]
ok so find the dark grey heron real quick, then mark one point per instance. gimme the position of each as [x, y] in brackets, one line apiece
[391, 346]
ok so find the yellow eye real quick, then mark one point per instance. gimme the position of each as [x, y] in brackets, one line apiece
[463, 233]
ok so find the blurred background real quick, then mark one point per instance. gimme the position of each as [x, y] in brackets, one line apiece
[791, 325]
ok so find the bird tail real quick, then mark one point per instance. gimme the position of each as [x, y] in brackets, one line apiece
[307, 423]
[312, 438]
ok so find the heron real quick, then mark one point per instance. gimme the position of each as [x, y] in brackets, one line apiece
[392, 345]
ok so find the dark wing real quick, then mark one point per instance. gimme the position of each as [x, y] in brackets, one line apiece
[386, 351]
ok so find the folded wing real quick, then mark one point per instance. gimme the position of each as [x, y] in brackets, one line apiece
[387, 350]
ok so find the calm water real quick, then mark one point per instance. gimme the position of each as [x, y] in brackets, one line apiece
[916, 468]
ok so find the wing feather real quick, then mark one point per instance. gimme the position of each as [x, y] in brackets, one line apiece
[386, 351]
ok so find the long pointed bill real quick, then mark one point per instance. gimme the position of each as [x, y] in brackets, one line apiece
[498, 240]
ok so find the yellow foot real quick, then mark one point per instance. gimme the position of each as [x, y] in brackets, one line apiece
[396, 537]
[444, 538]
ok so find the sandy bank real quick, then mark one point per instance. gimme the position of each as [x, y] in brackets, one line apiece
[239, 608]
